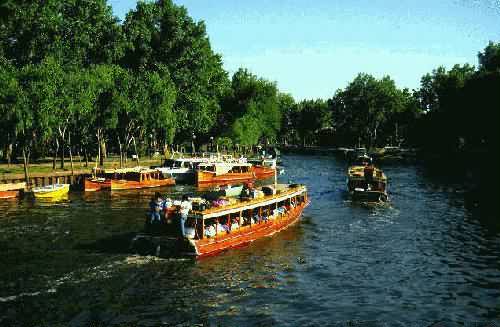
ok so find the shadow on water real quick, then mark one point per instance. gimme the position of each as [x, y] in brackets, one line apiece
[114, 244]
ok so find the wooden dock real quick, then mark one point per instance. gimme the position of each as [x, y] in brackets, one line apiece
[75, 179]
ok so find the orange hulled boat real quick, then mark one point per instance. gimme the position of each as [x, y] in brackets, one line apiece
[11, 190]
[139, 177]
[239, 222]
[230, 173]
[100, 180]
[265, 168]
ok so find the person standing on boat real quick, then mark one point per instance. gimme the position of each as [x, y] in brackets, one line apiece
[156, 206]
[368, 172]
[184, 211]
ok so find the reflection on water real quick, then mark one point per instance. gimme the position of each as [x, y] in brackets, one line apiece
[425, 255]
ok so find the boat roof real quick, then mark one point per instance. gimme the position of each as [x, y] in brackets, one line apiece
[358, 172]
[283, 192]
[12, 186]
[191, 159]
[137, 169]
[225, 164]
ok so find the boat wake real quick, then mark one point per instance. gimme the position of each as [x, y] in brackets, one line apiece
[104, 271]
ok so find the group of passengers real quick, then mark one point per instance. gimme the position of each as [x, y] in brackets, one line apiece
[212, 229]
[160, 209]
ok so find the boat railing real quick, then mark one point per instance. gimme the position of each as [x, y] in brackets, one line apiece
[252, 202]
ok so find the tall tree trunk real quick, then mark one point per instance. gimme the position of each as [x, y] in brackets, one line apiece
[79, 156]
[137, 154]
[26, 168]
[121, 151]
[63, 143]
[102, 152]
[9, 153]
[56, 152]
[86, 155]
[70, 154]
[98, 159]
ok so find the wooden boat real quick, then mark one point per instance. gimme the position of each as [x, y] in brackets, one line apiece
[51, 191]
[224, 173]
[264, 168]
[366, 182]
[230, 172]
[100, 180]
[241, 222]
[139, 177]
[11, 190]
[183, 170]
[92, 184]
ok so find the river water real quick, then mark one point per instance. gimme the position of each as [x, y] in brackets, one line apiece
[429, 255]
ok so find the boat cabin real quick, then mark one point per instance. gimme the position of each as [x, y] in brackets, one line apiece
[242, 216]
[221, 168]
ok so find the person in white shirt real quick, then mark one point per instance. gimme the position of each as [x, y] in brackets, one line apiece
[184, 211]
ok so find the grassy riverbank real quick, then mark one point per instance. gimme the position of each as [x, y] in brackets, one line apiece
[44, 166]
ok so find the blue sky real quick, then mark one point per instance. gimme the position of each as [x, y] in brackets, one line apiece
[311, 48]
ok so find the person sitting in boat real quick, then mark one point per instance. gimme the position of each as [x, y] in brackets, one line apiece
[156, 206]
[235, 225]
[185, 207]
[210, 231]
[223, 228]
[246, 192]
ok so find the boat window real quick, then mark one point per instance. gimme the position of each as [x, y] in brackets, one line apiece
[168, 163]
[247, 217]
[131, 176]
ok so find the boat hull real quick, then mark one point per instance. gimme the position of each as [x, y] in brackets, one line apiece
[48, 194]
[263, 172]
[8, 194]
[210, 178]
[93, 185]
[121, 184]
[245, 235]
[369, 196]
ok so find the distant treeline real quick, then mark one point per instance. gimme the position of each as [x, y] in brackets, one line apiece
[73, 78]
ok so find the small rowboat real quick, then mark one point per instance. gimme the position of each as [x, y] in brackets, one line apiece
[51, 191]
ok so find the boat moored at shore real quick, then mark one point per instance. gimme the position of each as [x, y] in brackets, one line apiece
[139, 177]
[51, 191]
[11, 190]
[183, 170]
[231, 172]
[100, 180]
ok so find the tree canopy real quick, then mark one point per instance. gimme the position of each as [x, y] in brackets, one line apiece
[75, 78]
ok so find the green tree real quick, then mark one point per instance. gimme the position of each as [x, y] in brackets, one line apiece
[252, 110]
[161, 33]
[365, 108]
[80, 32]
